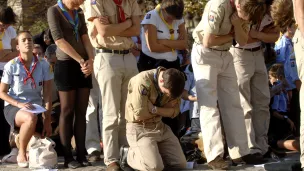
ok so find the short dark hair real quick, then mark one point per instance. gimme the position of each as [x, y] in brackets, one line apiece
[22, 32]
[7, 15]
[277, 70]
[174, 80]
[174, 8]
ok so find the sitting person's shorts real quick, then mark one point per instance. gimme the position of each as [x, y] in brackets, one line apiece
[10, 112]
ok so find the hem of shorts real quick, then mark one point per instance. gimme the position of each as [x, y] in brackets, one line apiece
[71, 88]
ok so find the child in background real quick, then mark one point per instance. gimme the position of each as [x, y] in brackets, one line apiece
[281, 126]
[190, 101]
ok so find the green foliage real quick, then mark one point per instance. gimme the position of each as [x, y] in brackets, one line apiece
[38, 26]
[195, 7]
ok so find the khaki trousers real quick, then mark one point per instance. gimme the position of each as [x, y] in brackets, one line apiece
[113, 72]
[216, 81]
[153, 147]
[299, 52]
[255, 96]
[94, 109]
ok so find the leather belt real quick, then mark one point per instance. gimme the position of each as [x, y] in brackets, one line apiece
[224, 50]
[120, 52]
[251, 49]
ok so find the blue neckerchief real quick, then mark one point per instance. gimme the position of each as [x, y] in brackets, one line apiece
[75, 23]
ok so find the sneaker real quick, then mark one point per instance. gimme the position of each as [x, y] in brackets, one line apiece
[94, 156]
[249, 159]
[218, 164]
[123, 159]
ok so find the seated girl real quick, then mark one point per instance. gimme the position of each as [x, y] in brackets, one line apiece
[23, 80]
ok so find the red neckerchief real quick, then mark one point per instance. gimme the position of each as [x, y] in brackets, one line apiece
[28, 73]
[121, 17]
[232, 3]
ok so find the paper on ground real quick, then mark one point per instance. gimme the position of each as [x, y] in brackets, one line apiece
[38, 109]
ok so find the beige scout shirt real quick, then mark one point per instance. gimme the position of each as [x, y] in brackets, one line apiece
[96, 8]
[142, 89]
[216, 20]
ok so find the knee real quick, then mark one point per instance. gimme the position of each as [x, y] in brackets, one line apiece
[31, 119]
[155, 167]
[66, 112]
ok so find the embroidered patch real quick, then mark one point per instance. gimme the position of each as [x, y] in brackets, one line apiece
[211, 18]
[93, 2]
[148, 16]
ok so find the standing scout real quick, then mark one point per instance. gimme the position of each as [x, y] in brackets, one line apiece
[216, 79]
[253, 83]
[111, 24]
[152, 95]
[299, 51]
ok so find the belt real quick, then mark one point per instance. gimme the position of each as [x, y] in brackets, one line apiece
[224, 50]
[212, 49]
[251, 49]
[120, 52]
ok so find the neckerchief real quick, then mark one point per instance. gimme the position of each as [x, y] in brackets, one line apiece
[75, 23]
[169, 26]
[120, 11]
[1, 37]
[29, 73]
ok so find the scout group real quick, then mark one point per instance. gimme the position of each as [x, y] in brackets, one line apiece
[127, 82]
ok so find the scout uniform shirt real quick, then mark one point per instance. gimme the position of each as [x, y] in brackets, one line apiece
[216, 20]
[97, 8]
[23, 91]
[144, 88]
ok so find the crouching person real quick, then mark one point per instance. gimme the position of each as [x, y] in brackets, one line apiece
[21, 85]
[152, 95]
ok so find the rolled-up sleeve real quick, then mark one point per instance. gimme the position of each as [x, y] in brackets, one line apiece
[7, 76]
[140, 91]
[54, 23]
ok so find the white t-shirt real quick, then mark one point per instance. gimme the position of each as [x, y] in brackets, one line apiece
[265, 22]
[9, 34]
[152, 17]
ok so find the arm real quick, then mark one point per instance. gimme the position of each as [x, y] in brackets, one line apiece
[68, 49]
[106, 30]
[88, 46]
[47, 98]
[268, 36]
[187, 96]
[170, 110]
[151, 39]
[210, 40]
[180, 43]
[4, 96]
[7, 55]
[299, 14]
[134, 30]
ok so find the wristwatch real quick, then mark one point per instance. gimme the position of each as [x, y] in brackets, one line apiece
[285, 117]
[154, 110]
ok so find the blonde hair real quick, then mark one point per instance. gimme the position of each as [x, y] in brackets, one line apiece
[282, 13]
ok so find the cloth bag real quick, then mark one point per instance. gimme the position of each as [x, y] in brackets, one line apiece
[42, 154]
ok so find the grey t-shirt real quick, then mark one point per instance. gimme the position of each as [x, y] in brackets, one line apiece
[61, 28]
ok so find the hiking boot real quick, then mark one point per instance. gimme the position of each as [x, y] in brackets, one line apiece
[249, 159]
[123, 159]
[218, 164]
[94, 156]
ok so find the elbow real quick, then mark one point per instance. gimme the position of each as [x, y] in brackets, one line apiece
[151, 48]
[206, 44]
